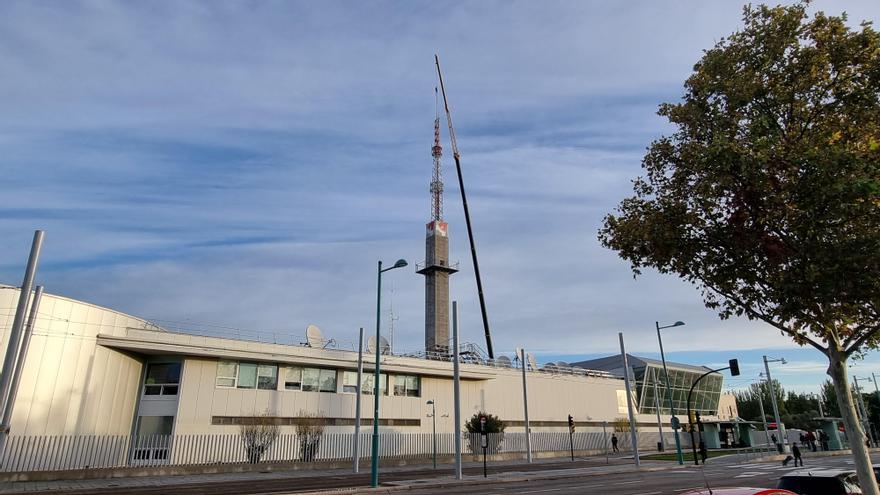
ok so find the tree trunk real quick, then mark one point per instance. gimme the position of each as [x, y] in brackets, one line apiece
[854, 431]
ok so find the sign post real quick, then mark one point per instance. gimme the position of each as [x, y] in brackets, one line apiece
[571, 435]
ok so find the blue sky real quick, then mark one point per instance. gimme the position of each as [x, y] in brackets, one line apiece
[240, 166]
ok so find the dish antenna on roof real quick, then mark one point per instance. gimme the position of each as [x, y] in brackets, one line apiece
[315, 337]
[531, 360]
[503, 361]
[384, 347]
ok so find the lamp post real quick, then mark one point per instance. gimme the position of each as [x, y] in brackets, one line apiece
[433, 429]
[675, 424]
[780, 428]
[374, 471]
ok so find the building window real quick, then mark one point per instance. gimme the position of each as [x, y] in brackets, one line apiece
[349, 382]
[310, 379]
[293, 378]
[162, 379]
[247, 375]
[226, 373]
[406, 386]
[368, 384]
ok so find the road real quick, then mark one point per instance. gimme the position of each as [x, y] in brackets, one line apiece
[551, 477]
[670, 482]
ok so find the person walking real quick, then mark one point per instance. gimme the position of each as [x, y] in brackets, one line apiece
[796, 452]
[704, 454]
[614, 443]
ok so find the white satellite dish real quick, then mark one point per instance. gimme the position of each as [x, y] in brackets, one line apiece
[503, 361]
[531, 360]
[384, 346]
[518, 352]
[315, 337]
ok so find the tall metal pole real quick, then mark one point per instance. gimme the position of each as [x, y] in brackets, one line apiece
[22, 356]
[764, 418]
[605, 437]
[15, 332]
[434, 431]
[865, 418]
[467, 215]
[522, 359]
[629, 403]
[819, 402]
[657, 407]
[456, 390]
[780, 428]
[675, 429]
[356, 451]
[374, 469]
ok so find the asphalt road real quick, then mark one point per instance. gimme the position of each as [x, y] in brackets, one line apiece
[670, 482]
[572, 478]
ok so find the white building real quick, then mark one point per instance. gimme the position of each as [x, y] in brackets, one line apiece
[92, 370]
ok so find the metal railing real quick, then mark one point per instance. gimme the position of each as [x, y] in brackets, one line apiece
[68, 452]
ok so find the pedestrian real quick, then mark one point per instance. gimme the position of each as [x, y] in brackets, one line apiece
[614, 443]
[811, 437]
[796, 452]
[703, 453]
[773, 436]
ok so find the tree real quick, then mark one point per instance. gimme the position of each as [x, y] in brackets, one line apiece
[309, 431]
[258, 434]
[621, 425]
[766, 196]
[829, 400]
[494, 427]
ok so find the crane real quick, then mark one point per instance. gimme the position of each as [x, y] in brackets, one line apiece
[467, 216]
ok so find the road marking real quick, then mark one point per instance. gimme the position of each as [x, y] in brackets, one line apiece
[627, 482]
[544, 490]
[647, 493]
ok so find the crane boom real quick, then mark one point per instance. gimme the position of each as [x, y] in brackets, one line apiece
[467, 215]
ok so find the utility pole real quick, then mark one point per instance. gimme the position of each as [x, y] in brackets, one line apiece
[356, 452]
[525, 364]
[629, 403]
[764, 417]
[15, 333]
[456, 389]
[780, 428]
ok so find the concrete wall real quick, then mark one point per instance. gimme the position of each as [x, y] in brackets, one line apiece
[71, 385]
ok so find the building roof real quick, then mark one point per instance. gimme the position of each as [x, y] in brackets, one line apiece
[615, 361]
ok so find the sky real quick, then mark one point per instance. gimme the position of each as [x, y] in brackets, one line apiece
[238, 167]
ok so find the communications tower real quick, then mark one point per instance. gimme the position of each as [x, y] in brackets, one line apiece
[436, 268]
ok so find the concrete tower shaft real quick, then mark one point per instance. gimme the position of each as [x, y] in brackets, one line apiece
[436, 267]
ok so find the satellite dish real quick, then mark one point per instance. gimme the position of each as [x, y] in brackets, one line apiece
[531, 360]
[384, 346]
[371, 345]
[503, 361]
[314, 336]
[518, 352]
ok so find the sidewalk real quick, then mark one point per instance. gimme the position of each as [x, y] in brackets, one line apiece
[392, 478]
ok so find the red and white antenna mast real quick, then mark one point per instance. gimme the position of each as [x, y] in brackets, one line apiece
[437, 175]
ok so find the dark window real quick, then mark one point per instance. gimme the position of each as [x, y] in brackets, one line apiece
[163, 373]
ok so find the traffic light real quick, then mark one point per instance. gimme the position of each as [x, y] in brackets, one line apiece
[697, 414]
[570, 424]
[692, 417]
[734, 367]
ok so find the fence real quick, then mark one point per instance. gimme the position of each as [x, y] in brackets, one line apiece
[58, 453]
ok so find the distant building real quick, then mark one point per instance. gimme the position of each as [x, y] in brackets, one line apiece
[649, 378]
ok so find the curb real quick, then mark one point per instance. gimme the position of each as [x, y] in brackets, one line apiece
[476, 481]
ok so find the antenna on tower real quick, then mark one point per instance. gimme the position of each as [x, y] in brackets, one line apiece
[391, 318]
[437, 175]
[467, 215]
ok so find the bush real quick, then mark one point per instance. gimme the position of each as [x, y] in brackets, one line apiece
[494, 427]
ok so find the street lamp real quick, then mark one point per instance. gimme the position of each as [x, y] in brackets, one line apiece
[374, 472]
[669, 391]
[434, 429]
[780, 428]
